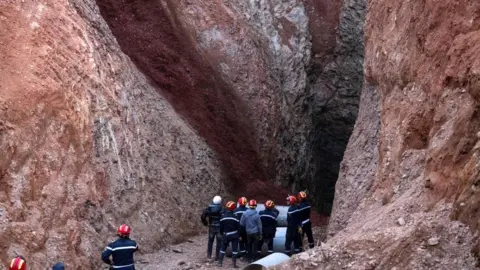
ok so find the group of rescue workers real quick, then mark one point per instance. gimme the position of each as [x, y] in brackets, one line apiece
[248, 230]
[242, 227]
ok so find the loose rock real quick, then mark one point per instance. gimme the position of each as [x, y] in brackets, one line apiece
[433, 241]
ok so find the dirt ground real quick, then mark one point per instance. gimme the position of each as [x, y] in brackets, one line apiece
[192, 255]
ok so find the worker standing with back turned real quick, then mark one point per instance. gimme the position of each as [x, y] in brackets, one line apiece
[242, 207]
[305, 209]
[211, 218]
[294, 227]
[253, 226]
[121, 250]
[269, 226]
[229, 228]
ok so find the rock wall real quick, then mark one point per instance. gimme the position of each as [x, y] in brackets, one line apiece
[336, 86]
[248, 66]
[421, 59]
[88, 142]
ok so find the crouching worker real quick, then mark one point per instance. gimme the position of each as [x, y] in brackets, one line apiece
[121, 250]
[229, 228]
[269, 226]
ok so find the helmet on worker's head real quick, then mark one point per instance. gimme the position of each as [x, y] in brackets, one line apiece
[217, 200]
[18, 263]
[124, 230]
[252, 204]
[230, 205]
[291, 200]
[302, 195]
[242, 201]
[269, 204]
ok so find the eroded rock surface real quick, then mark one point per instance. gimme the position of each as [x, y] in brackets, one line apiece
[213, 96]
[88, 143]
[421, 60]
[247, 64]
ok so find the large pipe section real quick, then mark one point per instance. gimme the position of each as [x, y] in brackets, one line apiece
[269, 261]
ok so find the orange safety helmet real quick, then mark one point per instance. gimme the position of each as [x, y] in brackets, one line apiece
[302, 195]
[18, 263]
[230, 205]
[269, 204]
[291, 200]
[252, 204]
[242, 201]
[123, 230]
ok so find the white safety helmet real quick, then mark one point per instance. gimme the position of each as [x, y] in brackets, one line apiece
[217, 200]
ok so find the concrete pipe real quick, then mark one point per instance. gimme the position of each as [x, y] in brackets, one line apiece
[270, 260]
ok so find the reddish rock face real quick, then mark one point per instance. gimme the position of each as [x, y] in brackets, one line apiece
[421, 64]
[213, 96]
[88, 143]
[249, 70]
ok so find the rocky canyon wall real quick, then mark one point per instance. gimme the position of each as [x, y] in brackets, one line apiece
[407, 196]
[139, 112]
[88, 143]
[337, 80]
[247, 64]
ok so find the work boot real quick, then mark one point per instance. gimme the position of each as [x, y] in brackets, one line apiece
[220, 260]
[234, 260]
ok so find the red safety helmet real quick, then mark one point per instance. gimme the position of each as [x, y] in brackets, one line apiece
[18, 263]
[291, 200]
[302, 195]
[230, 205]
[123, 230]
[242, 201]
[252, 204]
[269, 204]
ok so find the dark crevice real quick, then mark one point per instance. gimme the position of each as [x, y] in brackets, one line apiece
[337, 84]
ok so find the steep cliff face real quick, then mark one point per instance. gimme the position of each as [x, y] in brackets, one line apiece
[247, 66]
[88, 142]
[399, 189]
[337, 83]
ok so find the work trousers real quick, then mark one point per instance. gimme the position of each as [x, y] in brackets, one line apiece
[242, 243]
[214, 233]
[307, 229]
[252, 245]
[292, 236]
[266, 239]
[227, 239]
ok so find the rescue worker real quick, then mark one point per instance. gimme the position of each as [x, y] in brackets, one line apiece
[18, 263]
[253, 226]
[294, 227]
[121, 250]
[229, 228]
[58, 266]
[242, 207]
[269, 226]
[211, 218]
[304, 209]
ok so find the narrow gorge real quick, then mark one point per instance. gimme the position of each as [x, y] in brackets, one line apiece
[141, 111]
